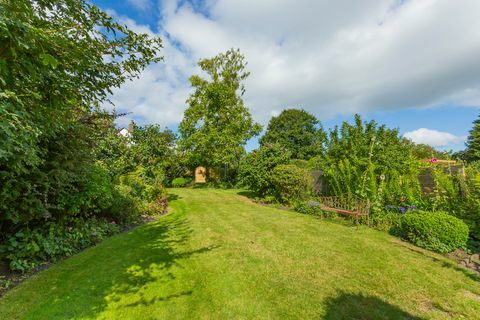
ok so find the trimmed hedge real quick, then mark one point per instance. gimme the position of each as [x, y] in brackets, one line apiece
[180, 182]
[435, 231]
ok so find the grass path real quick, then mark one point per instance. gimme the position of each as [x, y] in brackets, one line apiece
[219, 256]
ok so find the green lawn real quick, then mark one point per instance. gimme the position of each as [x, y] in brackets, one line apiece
[219, 256]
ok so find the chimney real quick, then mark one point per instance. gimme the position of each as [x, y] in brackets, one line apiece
[131, 126]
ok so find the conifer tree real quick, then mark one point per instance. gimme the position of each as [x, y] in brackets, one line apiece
[473, 142]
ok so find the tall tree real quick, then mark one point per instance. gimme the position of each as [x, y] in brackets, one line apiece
[217, 125]
[473, 142]
[297, 131]
[59, 60]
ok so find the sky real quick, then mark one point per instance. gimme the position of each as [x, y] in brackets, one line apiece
[409, 64]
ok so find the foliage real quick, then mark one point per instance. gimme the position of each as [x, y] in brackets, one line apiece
[144, 184]
[472, 153]
[371, 162]
[422, 151]
[298, 132]
[291, 182]
[254, 262]
[113, 150]
[180, 182]
[95, 193]
[217, 125]
[59, 60]
[256, 169]
[29, 248]
[127, 208]
[151, 147]
[457, 194]
[435, 231]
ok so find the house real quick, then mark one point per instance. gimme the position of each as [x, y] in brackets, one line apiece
[127, 133]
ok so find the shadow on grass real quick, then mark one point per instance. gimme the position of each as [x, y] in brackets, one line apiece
[358, 306]
[247, 193]
[173, 197]
[444, 263]
[131, 271]
[156, 257]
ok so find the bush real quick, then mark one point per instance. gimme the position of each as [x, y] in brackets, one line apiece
[180, 182]
[144, 184]
[311, 207]
[95, 193]
[437, 231]
[127, 208]
[256, 169]
[144, 189]
[29, 248]
[291, 183]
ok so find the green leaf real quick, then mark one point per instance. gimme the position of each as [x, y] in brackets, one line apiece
[49, 60]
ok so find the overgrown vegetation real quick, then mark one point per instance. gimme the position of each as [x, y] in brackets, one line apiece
[60, 154]
[219, 256]
[373, 163]
[66, 172]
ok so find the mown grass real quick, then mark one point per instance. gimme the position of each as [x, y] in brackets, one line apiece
[219, 256]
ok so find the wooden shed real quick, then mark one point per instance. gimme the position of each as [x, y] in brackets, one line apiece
[200, 174]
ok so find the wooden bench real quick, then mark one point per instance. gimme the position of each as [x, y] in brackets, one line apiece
[349, 205]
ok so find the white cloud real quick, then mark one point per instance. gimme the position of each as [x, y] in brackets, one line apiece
[140, 4]
[433, 138]
[327, 57]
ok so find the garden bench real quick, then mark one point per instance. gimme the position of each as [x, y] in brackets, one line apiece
[350, 206]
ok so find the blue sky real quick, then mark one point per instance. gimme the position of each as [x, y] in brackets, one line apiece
[411, 64]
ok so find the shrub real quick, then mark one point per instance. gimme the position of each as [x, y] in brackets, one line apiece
[29, 248]
[127, 208]
[256, 169]
[437, 231]
[291, 182]
[95, 193]
[311, 207]
[180, 182]
[144, 184]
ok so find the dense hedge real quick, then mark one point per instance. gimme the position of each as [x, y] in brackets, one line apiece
[291, 182]
[437, 231]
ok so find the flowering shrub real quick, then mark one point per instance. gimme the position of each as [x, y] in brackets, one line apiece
[29, 248]
[402, 209]
[311, 207]
[435, 231]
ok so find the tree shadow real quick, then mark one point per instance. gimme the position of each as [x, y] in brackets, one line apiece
[359, 306]
[154, 264]
[173, 197]
[130, 271]
[444, 263]
[247, 193]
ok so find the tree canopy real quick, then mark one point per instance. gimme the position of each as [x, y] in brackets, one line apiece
[217, 124]
[59, 61]
[297, 131]
[472, 152]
